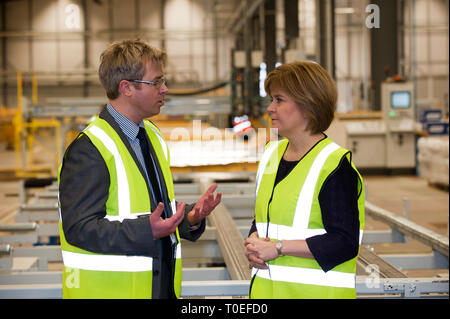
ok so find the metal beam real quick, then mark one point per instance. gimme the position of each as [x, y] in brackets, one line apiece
[409, 228]
[417, 261]
[386, 270]
[243, 13]
[215, 288]
[325, 46]
[383, 39]
[230, 240]
[366, 287]
[382, 236]
[401, 287]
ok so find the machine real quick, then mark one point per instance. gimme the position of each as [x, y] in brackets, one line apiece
[388, 142]
[399, 115]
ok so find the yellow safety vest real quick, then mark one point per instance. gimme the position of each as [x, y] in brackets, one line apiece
[92, 275]
[295, 214]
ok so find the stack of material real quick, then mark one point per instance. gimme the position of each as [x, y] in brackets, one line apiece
[433, 159]
[216, 152]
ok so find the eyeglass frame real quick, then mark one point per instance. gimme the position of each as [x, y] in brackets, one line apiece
[157, 84]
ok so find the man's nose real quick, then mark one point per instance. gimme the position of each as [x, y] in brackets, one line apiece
[163, 89]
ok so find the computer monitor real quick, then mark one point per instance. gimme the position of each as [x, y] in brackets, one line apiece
[401, 99]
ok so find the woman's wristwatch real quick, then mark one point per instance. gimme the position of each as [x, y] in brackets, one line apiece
[278, 246]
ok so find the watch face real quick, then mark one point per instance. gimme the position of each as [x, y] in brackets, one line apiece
[278, 247]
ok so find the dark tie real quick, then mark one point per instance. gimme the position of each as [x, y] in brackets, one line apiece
[169, 242]
[151, 170]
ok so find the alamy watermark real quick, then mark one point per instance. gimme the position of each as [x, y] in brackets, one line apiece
[72, 278]
[205, 145]
[373, 279]
[373, 19]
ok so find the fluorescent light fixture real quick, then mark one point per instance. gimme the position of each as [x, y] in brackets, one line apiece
[344, 10]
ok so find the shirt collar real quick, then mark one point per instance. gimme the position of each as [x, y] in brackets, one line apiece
[130, 128]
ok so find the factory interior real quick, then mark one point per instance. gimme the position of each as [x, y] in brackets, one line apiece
[388, 58]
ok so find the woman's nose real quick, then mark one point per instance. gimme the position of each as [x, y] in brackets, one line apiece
[270, 108]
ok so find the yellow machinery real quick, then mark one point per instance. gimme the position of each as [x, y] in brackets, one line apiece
[25, 137]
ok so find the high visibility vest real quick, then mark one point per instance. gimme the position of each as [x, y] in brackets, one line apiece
[92, 275]
[291, 211]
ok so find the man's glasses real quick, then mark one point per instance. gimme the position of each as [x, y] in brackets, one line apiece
[157, 84]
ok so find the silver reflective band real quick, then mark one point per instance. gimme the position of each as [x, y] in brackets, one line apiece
[283, 232]
[308, 276]
[161, 141]
[263, 163]
[107, 262]
[123, 190]
[178, 251]
[122, 218]
[305, 199]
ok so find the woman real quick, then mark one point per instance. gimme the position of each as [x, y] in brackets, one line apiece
[309, 210]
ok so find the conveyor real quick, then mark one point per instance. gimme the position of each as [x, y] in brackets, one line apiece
[213, 266]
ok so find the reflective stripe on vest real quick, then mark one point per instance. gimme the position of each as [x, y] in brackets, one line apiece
[283, 232]
[110, 262]
[123, 192]
[161, 141]
[263, 163]
[107, 262]
[308, 276]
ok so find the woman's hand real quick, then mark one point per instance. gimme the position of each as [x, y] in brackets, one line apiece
[258, 251]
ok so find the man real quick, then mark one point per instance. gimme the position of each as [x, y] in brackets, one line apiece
[120, 226]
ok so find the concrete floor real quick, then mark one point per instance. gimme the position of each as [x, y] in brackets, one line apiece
[428, 207]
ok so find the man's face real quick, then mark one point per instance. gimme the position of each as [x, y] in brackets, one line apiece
[149, 99]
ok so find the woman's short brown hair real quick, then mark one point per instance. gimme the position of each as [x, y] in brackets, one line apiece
[125, 60]
[312, 89]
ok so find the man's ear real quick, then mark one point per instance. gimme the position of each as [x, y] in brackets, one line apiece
[125, 88]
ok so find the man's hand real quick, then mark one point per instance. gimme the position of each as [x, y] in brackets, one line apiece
[164, 227]
[204, 206]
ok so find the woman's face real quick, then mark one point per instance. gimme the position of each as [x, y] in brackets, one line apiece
[286, 114]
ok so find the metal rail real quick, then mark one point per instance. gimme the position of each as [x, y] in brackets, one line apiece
[365, 288]
[389, 282]
[409, 228]
[384, 269]
[230, 240]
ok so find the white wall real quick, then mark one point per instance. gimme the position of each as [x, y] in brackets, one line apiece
[426, 60]
[432, 50]
[51, 44]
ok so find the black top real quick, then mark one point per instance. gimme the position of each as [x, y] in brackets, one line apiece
[338, 201]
